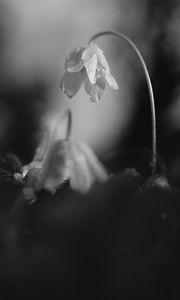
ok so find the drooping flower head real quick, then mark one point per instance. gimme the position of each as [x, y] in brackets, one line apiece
[58, 159]
[88, 66]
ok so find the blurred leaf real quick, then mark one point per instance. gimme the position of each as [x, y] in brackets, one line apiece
[10, 169]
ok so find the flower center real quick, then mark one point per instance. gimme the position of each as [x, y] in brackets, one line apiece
[99, 72]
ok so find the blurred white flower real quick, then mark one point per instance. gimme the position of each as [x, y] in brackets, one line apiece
[60, 159]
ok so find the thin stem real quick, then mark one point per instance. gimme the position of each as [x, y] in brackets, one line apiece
[69, 125]
[152, 102]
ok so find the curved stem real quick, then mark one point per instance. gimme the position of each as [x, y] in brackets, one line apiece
[152, 102]
[69, 123]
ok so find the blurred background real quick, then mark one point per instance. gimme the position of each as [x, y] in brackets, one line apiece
[35, 38]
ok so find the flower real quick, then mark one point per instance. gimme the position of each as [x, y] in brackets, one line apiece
[88, 66]
[59, 159]
[67, 160]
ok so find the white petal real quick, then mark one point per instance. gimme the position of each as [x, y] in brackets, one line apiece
[54, 171]
[95, 91]
[102, 60]
[91, 67]
[74, 63]
[110, 80]
[95, 166]
[106, 70]
[71, 82]
[89, 52]
[85, 169]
